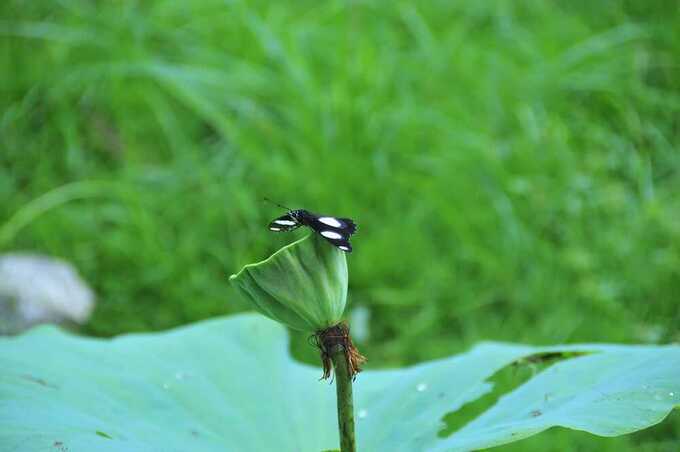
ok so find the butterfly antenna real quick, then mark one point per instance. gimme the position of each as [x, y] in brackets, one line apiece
[277, 204]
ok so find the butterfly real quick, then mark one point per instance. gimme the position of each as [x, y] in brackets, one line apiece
[336, 230]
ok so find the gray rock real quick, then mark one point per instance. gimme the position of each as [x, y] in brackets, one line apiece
[39, 289]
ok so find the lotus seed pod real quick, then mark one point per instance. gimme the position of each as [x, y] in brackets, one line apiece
[303, 285]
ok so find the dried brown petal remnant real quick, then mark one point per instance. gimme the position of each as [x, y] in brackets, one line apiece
[336, 339]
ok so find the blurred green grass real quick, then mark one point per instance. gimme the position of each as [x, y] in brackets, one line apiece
[513, 166]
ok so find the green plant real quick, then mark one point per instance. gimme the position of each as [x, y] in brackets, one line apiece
[513, 164]
[304, 286]
[230, 384]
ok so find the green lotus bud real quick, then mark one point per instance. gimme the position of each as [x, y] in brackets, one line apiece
[303, 285]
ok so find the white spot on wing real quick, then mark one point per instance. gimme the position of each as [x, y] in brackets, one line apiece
[285, 222]
[330, 221]
[272, 228]
[343, 247]
[331, 235]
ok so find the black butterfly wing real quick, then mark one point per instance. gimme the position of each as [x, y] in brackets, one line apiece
[336, 230]
[284, 223]
[350, 225]
[336, 239]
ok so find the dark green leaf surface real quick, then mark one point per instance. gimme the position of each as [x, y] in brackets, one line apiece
[230, 385]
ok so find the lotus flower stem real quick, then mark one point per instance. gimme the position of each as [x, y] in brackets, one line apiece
[343, 385]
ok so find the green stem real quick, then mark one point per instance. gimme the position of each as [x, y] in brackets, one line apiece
[343, 385]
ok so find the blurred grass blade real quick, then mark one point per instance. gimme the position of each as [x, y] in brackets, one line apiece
[51, 200]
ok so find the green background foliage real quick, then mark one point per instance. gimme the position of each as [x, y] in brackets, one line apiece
[512, 165]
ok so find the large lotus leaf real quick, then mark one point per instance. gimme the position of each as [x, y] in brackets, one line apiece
[231, 385]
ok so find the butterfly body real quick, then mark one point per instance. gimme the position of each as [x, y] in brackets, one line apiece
[335, 230]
